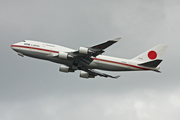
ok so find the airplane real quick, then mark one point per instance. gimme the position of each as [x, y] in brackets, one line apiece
[86, 59]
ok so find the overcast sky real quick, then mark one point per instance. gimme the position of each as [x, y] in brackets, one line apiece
[32, 89]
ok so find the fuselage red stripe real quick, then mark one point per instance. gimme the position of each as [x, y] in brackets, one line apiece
[20, 46]
[34, 48]
[121, 63]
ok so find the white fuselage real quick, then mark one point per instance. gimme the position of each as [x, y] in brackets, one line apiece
[46, 51]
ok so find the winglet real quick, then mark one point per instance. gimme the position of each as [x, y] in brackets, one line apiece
[116, 39]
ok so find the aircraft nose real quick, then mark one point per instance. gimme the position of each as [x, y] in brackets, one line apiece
[14, 46]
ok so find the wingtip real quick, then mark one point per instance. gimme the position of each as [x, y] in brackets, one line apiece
[117, 39]
[116, 76]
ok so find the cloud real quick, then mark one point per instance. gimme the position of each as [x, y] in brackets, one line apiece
[138, 105]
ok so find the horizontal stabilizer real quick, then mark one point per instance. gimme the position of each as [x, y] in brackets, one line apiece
[157, 71]
[152, 64]
[116, 76]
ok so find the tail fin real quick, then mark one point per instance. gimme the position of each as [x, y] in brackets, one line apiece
[154, 54]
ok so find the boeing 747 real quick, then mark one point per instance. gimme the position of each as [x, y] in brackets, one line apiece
[87, 59]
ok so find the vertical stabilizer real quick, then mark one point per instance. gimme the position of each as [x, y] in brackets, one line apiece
[152, 54]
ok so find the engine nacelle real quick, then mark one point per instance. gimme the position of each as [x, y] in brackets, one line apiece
[84, 50]
[66, 69]
[63, 55]
[84, 74]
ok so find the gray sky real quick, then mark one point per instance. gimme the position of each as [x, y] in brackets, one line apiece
[35, 89]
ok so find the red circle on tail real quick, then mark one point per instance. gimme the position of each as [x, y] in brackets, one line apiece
[152, 55]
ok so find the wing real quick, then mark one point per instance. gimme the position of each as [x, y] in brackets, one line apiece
[94, 50]
[84, 54]
[105, 45]
[99, 49]
[96, 73]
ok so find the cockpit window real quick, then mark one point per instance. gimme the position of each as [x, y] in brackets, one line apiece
[26, 44]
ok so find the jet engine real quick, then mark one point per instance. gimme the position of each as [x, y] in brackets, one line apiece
[84, 74]
[66, 69]
[64, 55]
[84, 50]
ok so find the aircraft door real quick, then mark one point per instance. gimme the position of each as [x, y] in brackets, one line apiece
[48, 49]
